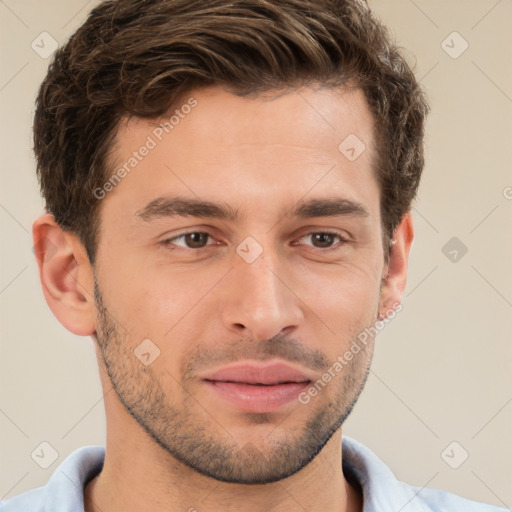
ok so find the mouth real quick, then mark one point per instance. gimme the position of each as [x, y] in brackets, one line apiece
[258, 388]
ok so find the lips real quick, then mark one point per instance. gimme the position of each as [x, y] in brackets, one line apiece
[268, 374]
[259, 388]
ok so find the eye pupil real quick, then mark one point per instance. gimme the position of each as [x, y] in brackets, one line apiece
[323, 239]
[196, 240]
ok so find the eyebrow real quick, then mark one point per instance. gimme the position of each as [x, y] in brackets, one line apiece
[185, 207]
[329, 208]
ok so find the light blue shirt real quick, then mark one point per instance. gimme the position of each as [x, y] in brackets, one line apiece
[382, 492]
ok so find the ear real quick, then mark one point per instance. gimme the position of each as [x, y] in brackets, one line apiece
[394, 276]
[66, 275]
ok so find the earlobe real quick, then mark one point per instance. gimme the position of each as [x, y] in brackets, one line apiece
[66, 275]
[395, 273]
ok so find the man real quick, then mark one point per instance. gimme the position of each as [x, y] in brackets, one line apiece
[228, 187]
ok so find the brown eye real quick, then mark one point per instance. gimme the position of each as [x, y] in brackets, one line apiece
[323, 239]
[196, 240]
[192, 240]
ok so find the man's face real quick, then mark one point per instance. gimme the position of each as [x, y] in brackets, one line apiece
[270, 286]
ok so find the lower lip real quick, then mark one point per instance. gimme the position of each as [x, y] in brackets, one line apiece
[256, 398]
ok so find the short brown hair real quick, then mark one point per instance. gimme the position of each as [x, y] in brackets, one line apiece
[134, 58]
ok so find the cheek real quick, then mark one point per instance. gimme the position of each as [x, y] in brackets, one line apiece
[161, 301]
[340, 302]
[338, 289]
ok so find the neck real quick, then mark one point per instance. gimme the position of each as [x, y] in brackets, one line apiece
[139, 476]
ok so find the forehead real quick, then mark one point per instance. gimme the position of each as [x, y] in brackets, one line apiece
[219, 146]
[284, 117]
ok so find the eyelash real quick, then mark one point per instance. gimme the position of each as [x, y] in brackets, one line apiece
[342, 241]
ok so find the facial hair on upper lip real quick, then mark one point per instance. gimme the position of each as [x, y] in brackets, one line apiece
[278, 347]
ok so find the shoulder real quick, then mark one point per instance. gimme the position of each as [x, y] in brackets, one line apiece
[32, 501]
[437, 500]
[379, 486]
[64, 490]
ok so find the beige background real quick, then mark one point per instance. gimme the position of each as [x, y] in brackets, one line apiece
[442, 369]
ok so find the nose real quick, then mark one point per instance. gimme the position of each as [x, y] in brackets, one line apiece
[258, 299]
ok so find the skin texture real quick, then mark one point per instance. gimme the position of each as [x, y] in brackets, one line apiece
[172, 443]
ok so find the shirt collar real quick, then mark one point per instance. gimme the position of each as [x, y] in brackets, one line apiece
[65, 489]
[382, 492]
